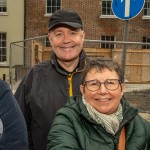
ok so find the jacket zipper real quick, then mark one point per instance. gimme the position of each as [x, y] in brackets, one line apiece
[70, 76]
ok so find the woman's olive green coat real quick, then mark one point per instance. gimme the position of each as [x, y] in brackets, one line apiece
[73, 129]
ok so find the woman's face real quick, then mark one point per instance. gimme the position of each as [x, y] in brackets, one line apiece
[103, 100]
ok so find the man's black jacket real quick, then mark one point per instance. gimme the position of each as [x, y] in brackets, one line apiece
[44, 90]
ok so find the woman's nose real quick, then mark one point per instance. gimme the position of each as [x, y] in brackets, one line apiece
[102, 89]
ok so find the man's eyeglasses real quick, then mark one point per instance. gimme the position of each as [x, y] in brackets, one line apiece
[110, 84]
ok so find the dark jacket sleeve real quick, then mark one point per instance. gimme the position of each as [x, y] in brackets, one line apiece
[23, 92]
[147, 124]
[13, 131]
[62, 134]
[22, 96]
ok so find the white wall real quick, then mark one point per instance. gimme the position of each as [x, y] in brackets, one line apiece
[13, 23]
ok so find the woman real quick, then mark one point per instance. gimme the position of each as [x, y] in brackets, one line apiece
[101, 118]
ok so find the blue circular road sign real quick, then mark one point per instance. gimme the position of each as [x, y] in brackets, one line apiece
[127, 9]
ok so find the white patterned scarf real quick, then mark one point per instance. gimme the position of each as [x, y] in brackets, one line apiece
[109, 122]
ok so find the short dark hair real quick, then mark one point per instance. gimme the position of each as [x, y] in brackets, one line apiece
[100, 64]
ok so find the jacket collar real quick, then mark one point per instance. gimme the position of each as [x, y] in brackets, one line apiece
[82, 109]
[129, 112]
[82, 59]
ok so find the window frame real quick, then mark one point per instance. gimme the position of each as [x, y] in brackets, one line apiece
[106, 12]
[52, 8]
[107, 45]
[146, 10]
[3, 6]
[47, 42]
[3, 47]
[146, 40]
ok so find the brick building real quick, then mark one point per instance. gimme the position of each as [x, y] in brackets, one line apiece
[98, 24]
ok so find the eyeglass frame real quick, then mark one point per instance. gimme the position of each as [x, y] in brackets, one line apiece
[85, 85]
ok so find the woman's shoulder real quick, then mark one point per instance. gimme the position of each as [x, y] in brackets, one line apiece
[141, 122]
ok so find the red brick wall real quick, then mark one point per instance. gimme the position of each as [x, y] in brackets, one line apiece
[94, 26]
[35, 23]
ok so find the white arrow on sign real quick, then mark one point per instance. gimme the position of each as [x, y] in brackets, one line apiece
[127, 7]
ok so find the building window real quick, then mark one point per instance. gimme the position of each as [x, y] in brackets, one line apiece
[2, 47]
[107, 45]
[147, 8]
[53, 5]
[47, 43]
[106, 7]
[3, 6]
[146, 40]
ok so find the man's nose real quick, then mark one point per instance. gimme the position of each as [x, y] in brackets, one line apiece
[66, 37]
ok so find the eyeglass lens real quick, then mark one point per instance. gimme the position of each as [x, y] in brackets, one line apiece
[110, 84]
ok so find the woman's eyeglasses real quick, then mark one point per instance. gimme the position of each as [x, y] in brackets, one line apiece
[94, 85]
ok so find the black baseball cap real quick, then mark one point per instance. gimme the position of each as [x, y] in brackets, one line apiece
[66, 17]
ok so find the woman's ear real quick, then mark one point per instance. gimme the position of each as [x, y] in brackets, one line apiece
[122, 88]
[82, 89]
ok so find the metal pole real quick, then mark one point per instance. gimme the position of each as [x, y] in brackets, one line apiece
[117, 42]
[4, 77]
[125, 46]
[10, 55]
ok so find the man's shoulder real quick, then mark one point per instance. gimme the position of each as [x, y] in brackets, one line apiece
[70, 107]
[88, 59]
[42, 65]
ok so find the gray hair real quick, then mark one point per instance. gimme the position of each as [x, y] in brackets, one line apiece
[100, 64]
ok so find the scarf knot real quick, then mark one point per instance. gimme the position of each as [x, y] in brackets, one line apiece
[109, 122]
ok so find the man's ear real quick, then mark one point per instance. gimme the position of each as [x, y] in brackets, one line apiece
[49, 37]
[83, 35]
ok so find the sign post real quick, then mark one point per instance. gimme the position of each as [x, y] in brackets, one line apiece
[125, 10]
[125, 38]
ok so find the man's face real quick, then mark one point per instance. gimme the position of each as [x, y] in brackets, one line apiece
[67, 43]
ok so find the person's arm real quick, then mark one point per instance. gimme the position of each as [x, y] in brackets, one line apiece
[13, 131]
[148, 134]
[62, 135]
[22, 96]
[22, 93]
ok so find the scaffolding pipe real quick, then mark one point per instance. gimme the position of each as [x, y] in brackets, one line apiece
[39, 37]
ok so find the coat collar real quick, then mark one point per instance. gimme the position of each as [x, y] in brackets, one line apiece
[129, 112]
[82, 59]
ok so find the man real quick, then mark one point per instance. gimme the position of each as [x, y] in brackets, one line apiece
[13, 131]
[48, 85]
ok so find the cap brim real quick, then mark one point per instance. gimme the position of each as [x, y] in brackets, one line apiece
[71, 24]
